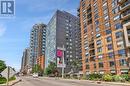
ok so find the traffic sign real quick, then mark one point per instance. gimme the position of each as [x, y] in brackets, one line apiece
[8, 73]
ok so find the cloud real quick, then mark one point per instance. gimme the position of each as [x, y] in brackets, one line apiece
[2, 30]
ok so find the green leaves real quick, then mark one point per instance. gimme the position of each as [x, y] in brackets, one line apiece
[50, 69]
[36, 69]
[2, 65]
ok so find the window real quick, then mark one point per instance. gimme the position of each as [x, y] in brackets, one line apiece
[94, 65]
[97, 22]
[107, 24]
[123, 62]
[108, 32]
[121, 52]
[105, 5]
[120, 43]
[105, 11]
[85, 30]
[87, 66]
[115, 10]
[110, 55]
[109, 47]
[99, 49]
[95, 10]
[101, 65]
[92, 58]
[98, 35]
[118, 26]
[112, 64]
[106, 18]
[97, 29]
[118, 34]
[96, 16]
[116, 17]
[99, 42]
[86, 59]
[109, 39]
[100, 57]
[114, 3]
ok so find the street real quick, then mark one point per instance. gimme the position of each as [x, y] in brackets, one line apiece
[29, 81]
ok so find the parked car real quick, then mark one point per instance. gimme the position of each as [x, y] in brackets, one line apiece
[35, 75]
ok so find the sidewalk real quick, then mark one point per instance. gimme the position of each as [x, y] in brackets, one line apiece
[85, 81]
[11, 83]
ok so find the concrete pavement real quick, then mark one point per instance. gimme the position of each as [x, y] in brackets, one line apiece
[29, 81]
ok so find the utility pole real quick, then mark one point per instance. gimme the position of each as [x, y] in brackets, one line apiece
[63, 63]
[8, 75]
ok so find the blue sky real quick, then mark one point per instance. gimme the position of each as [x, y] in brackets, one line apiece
[15, 32]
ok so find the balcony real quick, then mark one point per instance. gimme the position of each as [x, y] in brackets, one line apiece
[128, 32]
[125, 15]
[121, 1]
[126, 28]
[125, 6]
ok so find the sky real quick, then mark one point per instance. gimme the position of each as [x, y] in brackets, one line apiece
[15, 31]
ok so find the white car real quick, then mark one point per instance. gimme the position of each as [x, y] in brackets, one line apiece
[35, 75]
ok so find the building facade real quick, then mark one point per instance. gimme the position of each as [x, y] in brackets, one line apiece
[37, 45]
[105, 36]
[63, 32]
[25, 65]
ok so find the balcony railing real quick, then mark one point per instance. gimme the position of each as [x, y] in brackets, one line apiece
[126, 13]
[128, 32]
[121, 1]
[124, 5]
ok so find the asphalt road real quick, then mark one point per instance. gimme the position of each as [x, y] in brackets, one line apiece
[29, 81]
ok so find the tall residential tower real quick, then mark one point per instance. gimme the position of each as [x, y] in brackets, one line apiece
[37, 45]
[25, 65]
[63, 32]
[105, 35]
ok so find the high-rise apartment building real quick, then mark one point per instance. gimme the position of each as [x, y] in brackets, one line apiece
[63, 31]
[25, 65]
[105, 35]
[37, 45]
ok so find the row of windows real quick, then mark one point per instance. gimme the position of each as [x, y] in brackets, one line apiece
[117, 34]
[122, 62]
[117, 26]
[110, 55]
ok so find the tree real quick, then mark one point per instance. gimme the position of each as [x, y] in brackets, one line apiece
[36, 69]
[2, 65]
[75, 64]
[50, 69]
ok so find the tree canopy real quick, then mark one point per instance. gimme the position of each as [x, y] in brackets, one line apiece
[50, 69]
[2, 65]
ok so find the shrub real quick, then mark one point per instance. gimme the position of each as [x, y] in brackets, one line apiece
[84, 77]
[95, 77]
[117, 78]
[12, 78]
[107, 77]
[2, 80]
[125, 77]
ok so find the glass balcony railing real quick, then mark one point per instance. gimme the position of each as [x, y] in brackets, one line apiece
[126, 13]
[121, 1]
[125, 4]
[128, 31]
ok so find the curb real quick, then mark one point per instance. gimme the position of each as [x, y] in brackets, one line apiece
[97, 82]
[15, 82]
